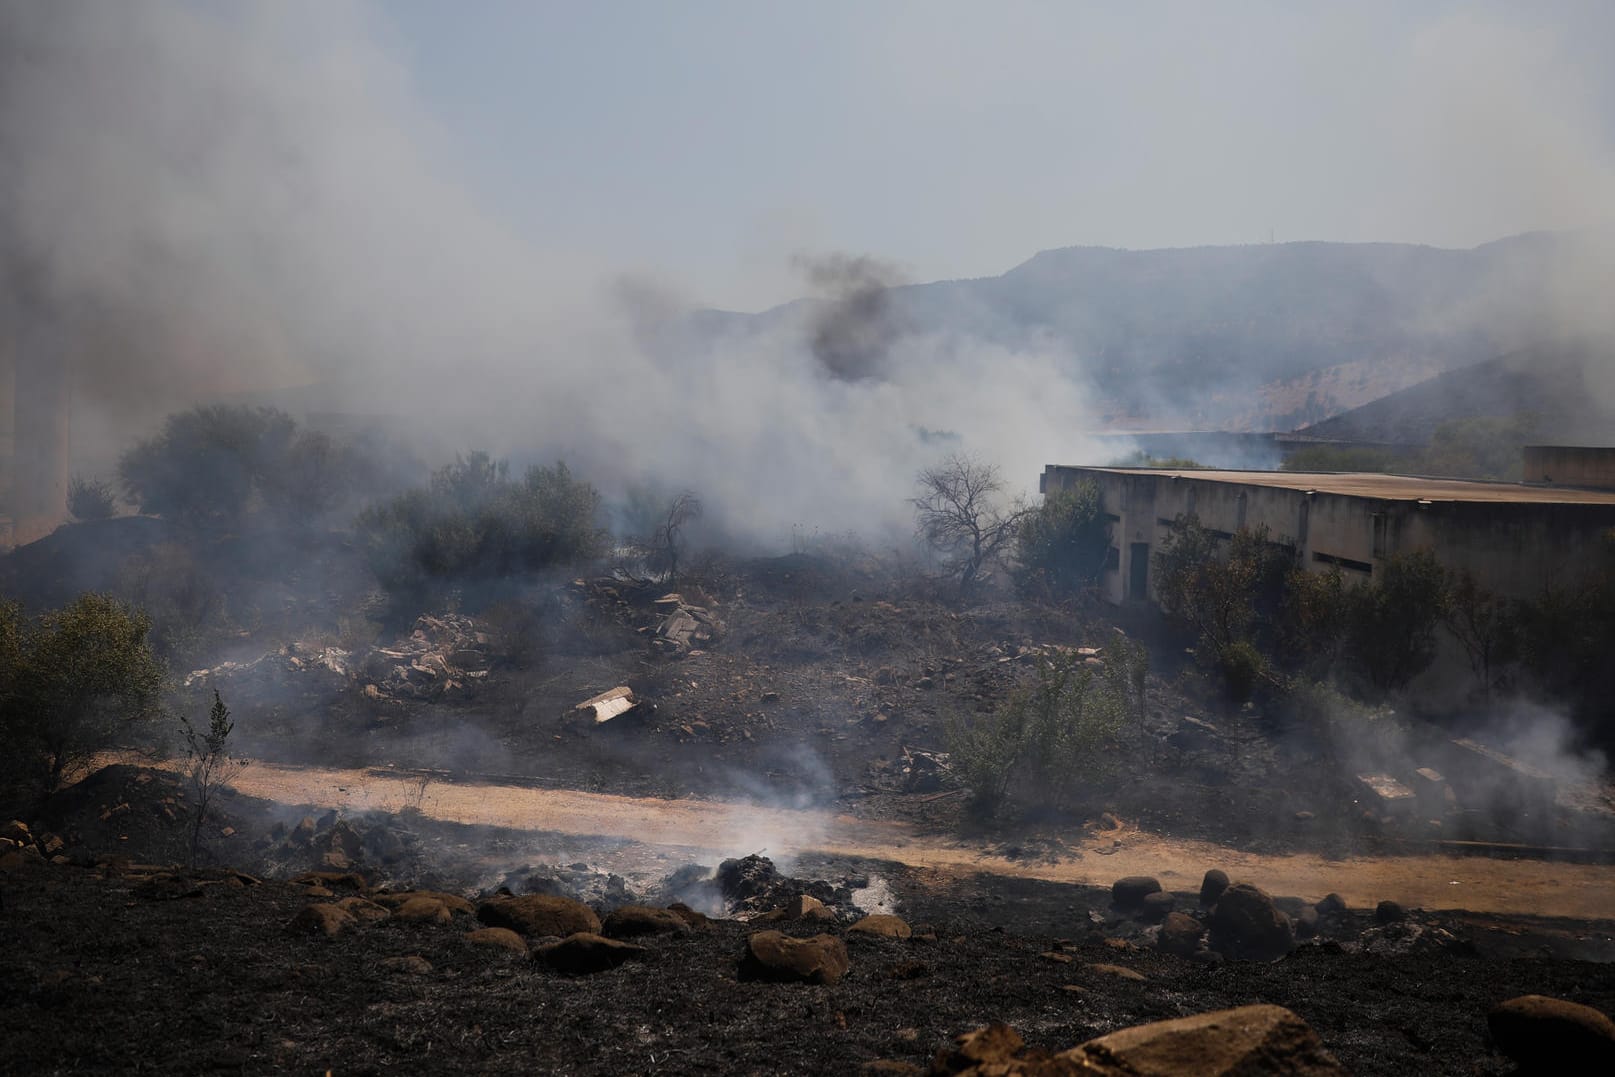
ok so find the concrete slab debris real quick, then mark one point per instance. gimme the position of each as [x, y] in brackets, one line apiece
[608, 705]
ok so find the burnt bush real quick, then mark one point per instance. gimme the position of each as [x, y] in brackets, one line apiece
[91, 499]
[472, 526]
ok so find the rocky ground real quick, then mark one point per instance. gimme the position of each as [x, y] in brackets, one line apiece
[425, 946]
[115, 966]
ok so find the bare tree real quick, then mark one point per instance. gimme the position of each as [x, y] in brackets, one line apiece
[669, 533]
[961, 516]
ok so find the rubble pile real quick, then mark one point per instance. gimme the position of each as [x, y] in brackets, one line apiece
[674, 625]
[443, 656]
[684, 628]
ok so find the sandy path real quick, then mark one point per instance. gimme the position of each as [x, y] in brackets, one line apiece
[729, 828]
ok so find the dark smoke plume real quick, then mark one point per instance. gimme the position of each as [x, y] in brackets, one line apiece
[852, 334]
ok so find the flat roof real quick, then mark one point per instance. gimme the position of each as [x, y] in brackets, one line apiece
[1380, 487]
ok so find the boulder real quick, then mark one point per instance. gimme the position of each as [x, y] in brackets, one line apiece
[539, 914]
[773, 955]
[501, 937]
[17, 831]
[807, 907]
[333, 880]
[452, 902]
[1389, 912]
[1180, 934]
[1251, 1041]
[1247, 925]
[585, 952]
[1332, 905]
[423, 910]
[1129, 893]
[1155, 906]
[1551, 1035]
[1118, 972]
[409, 965]
[996, 1045]
[883, 925]
[688, 915]
[322, 918]
[1212, 886]
[633, 920]
[363, 910]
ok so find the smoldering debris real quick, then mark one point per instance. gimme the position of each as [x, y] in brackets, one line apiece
[852, 333]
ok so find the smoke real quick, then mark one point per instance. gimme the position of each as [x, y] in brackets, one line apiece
[247, 200]
[853, 332]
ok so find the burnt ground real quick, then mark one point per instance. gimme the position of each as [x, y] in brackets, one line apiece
[105, 972]
[825, 676]
[822, 677]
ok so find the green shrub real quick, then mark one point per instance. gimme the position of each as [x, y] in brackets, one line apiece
[90, 499]
[472, 525]
[1241, 667]
[1311, 631]
[1052, 738]
[80, 679]
[1062, 543]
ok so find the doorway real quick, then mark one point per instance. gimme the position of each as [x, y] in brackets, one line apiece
[1138, 571]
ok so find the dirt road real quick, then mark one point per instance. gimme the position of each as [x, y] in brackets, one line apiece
[1534, 887]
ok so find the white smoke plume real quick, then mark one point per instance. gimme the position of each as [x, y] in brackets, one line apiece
[228, 199]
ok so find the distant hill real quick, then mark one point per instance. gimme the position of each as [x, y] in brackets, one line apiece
[1564, 387]
[1228, 337]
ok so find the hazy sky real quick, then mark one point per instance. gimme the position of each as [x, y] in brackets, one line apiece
[708, 141]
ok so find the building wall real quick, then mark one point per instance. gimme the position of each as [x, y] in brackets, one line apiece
[1513, 548]
[38, 463]
[1571, 465]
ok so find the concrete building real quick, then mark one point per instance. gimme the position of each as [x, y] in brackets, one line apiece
[1516, 538]
[35, 431]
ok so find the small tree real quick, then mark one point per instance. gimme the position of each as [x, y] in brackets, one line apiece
[206, 464]
[1224, 600]
[1312, 622]
[1482, 624]
[82, 676]
[90, 499]
[1391, 623]
[1062, 543]
[209, 766]
[959, 514]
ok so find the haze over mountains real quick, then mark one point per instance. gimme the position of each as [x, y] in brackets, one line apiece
[1244, 338]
